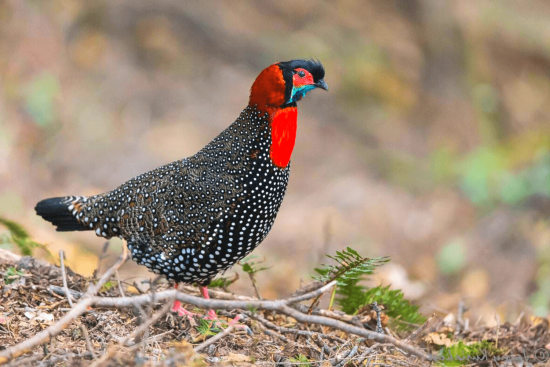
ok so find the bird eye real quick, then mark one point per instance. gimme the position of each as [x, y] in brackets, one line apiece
[301, 74]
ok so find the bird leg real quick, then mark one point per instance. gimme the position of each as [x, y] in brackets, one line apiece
[212, 314]
[177, 307]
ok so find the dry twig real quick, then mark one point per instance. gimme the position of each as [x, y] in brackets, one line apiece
[281, 306]
[284, 330]
[214, 338]
[119, 285]
[64, 276]
[347, 357]
[252, 277]
[78, 309]
[284, 306]
[86, 336]
[417, 332]
[135, 333]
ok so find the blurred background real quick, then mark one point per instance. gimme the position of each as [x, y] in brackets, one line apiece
[432, 146]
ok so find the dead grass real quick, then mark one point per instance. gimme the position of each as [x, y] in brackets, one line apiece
[28, 305]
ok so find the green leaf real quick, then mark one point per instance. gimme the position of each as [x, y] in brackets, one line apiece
[353, 252]
[460, 354]
[480, 171]
[108, 285]
[250, 266]
[300, 360]
[205, 328]
[222, 282]
[251, 309]
[12, 274]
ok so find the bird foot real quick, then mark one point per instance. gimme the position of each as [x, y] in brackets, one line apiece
[177, 307]
[216, 322]
[210, 316]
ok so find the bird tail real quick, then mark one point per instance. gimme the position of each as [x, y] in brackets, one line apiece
[62, 212]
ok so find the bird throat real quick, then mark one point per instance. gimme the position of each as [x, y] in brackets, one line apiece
[283, 135]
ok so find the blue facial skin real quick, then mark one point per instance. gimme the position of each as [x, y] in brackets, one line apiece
[300, 92]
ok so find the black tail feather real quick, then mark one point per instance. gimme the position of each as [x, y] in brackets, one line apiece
[56, 211]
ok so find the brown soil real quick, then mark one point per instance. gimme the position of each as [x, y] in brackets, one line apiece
[28, 305]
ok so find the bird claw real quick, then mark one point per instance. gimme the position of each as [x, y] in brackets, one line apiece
[177, 307]
[235, 322]
[210, 316]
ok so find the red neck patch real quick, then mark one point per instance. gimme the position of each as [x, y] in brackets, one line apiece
[268, 95]
[283, 135]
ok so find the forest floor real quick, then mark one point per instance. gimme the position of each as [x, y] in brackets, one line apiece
[32, 300]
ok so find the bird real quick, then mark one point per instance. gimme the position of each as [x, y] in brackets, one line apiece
[194, 218]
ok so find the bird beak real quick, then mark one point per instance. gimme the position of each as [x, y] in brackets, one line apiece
[321, 84]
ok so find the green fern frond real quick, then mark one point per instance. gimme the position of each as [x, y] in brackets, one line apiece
[351, 267]
[401, 311]
[205, 328]
[350, 270]
[351, 297]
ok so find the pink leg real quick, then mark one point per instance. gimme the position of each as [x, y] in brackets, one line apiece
[177, 307]
[212, 314]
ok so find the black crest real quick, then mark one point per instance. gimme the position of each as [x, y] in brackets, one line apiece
[314, 67]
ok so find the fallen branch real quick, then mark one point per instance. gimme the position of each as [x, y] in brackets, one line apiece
[60, 291]
[281, 306]
[217, 293]
[64, 277]
[331, 314]
[284, 306]
[366, 353]
[338, 315]
[284, 330]
[125, 302]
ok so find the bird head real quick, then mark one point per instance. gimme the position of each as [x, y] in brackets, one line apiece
[285, 83]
